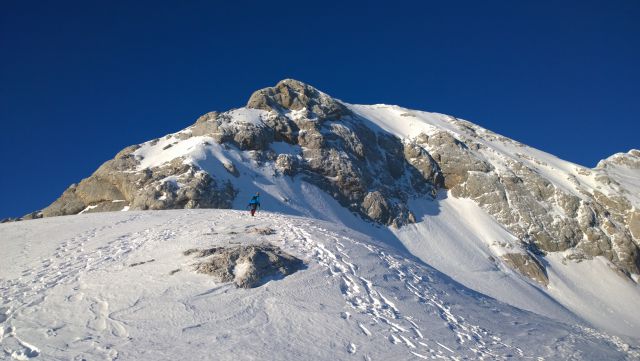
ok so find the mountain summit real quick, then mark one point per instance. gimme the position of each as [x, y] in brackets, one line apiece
[393, 169]
[374, 160]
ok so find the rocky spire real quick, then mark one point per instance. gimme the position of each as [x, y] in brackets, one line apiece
[290, 94]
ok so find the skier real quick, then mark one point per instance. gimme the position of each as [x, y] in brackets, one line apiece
[254, 204]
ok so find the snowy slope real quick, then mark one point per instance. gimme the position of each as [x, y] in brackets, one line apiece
[452, 235]
[75, 287]
[458, 240]
[459, 230]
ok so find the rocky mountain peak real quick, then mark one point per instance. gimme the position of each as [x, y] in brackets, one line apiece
[293, 95]
[375, 161]
[630, 160]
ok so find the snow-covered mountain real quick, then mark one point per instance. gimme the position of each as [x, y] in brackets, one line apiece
[413, 221]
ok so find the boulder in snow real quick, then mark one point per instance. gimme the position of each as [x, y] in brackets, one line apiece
[246, 266]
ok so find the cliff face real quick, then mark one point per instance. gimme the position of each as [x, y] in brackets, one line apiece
[374, 160]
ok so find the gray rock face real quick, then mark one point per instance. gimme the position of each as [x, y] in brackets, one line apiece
[223, 128]
[544, 216]
[68, 203]
[117, 184]
[453, 157]
[287, 164]
[421, 160]
[246, 266]
[629, 160]
[527, 265]
[291, 94]
[365, 170]
[376, 205]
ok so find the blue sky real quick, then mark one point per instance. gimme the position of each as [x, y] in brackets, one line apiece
[81, 80]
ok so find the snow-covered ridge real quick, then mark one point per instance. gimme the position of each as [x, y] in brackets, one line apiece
[408, 124]
[565, 190]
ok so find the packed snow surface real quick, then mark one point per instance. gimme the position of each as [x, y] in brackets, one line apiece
[118, 286]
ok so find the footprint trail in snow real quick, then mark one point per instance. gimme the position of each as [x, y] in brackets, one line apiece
[399, 329]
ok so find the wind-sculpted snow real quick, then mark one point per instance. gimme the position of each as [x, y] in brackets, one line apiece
[117, 286]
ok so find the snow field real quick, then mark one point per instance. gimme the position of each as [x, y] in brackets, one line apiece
[116, 285]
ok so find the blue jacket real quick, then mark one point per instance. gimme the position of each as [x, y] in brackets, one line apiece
[255, 200]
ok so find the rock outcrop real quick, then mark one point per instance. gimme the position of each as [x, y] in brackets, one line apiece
[118, 184]
[246, 266]
[544, 215]
[365, 170]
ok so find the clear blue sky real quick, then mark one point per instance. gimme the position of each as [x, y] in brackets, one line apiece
[81, 80]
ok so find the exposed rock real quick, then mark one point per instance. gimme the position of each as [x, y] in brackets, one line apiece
[376, 207]
[225, 129]
[340, 153]
[32, 215]
[284, 128]
[421, 160]
[192, 188]
[97, 189]
[615, 203]
[127, 152]
[294, 95]
[529, 205]
[343, 155]
[246, 266]
[68, 203]
[287, 164]
[629, 160]
[106, 206]
[633, 220]
[528, 266]
[205, 125]
[454, 158]
[311, 139]
[176, 185]
[231, 169]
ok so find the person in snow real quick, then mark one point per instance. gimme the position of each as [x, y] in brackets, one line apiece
[254, 204]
